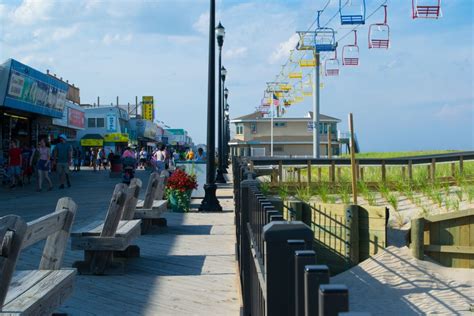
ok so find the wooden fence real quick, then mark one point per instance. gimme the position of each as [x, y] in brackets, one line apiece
[447, 238]
[275, 166]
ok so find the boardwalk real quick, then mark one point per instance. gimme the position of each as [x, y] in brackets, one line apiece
[187, 268]
[393, 282]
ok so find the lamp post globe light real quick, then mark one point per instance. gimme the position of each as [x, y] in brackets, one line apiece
[210, 203]
[220, 34]
[223, 161]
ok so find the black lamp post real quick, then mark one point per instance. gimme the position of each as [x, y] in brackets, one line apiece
[220, 34]
[210, 203]
[225, 119]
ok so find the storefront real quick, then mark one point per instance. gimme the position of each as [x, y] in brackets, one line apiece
[145, 134]
[115, 142]
[73, 120]
[29, 100]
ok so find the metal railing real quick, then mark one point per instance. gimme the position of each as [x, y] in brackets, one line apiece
[277, 266]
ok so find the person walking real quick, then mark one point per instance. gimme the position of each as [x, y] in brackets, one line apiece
[62, 158]
[143, 157]
[14, 164]
[94, 159]
[200, 155]
[43, 165]
[160, 157]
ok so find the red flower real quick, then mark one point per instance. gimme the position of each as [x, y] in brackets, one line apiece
[181, 181]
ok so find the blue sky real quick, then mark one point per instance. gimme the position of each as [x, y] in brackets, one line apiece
[416, 95]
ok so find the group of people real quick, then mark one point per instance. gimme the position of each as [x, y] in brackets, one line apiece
[24, 162]
[162, 157]
[97, 158]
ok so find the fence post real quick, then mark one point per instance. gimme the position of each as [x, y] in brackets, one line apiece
[410, 170]
[302, 258]
[332, 172]
[403, 172]
[309, 172]
[461, 165]
[362, 173]
[417, 243]
[280, 172]
[352, 233]
[245, 256]
[383, 171]
[453, 169]
[314, 276]
[333, 299]
[319, 174]
[433, 169]
[293, 246]
[276, 236]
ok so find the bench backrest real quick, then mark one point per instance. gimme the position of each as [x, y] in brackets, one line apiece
[151, 189]
[133, 192]
[162, 185]
[54, 227]
[12, 233]
[115, 211]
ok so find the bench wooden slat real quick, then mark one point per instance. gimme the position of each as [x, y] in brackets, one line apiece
[42, 227]
[128, 230]
[154, 212]
[156, 204]
[47, 291]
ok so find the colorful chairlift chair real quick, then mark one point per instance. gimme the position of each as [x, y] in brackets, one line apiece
[352, 12]
[426, 9]
[331, 66]
[379, 33]
[324, 38]
[350, 53]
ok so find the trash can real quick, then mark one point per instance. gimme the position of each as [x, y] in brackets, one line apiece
[115, 167]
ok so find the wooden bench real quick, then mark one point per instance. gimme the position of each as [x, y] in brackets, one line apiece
[41, 291]
[104, 242]
[150, 209]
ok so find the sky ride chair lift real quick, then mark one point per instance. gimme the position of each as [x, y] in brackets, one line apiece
[352, 12]
[331, 66]
[426, 9]
[379, 33]
[324, 38]
[350, 53]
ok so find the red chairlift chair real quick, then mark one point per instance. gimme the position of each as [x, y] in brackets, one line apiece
[350, 53]
[331, 66]
[379, 33]
[426, 9]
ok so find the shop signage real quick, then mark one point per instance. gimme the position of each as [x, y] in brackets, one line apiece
[76, 118]
[111, 123]
[73, 94]
[91, 142]
[116, 138]
[32, 91]
[147, 108]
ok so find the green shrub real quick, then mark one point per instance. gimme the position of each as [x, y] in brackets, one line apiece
[304, 194]
[265, 187]
[323, 192]
[344, 194]
[392, 199]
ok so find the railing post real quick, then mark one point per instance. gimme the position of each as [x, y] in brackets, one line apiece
[417, 243]
[314, 276]
[352, 233]
[293, 246]
[276, 236]
[302, 258]
[333, 299]
[333, 172]
[453, 169]
[297, 206]
[461, 165]
[245, 256]
[280, 172]
[403, 172]
[319, 174]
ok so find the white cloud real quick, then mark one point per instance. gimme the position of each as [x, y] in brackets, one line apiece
[116, 38]
[283, 50]
[202, 24]
[31, 12]
[454, 112]
[63, 33]
[235, 53]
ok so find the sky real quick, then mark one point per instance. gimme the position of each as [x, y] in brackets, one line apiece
[417, 95]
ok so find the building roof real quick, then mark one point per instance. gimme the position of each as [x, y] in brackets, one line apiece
[262, 140]
[258, 116]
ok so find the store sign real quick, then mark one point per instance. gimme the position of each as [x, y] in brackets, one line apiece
[91, 142]
[147, 108]
[73, 94]
[116, 138]
[32, 91]
[111, 122]
[76, 118]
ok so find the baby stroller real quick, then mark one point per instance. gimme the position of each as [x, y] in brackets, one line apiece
[128, 169]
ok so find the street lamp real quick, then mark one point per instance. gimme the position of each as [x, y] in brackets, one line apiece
[210, 203]
[225, 132]
[220, 34]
